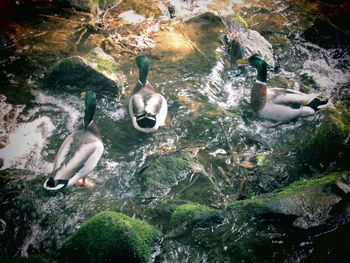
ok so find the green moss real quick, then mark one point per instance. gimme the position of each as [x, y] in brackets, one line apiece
[102, 63]
[31, 259]
[256, 203]
[193, 214]
[65, 65]
[111, 237]
[327, 143]
[241, 20]
[165, 173]
[263, 201]
[305, 184]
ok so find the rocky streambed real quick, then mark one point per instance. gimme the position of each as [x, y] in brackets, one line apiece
[216, 184]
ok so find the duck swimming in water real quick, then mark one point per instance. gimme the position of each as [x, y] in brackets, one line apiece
[147, 107]
[276, 103]
[79, 153]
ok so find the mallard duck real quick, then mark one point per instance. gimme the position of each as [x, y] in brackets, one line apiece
[147, 107]
[79, 153]
[276, 103]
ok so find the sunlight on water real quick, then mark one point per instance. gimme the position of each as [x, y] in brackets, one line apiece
[224, 90]
[207, 112]
[25, 145]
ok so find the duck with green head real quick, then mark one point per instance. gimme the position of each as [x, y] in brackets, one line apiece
[278, 104]
[79, 153]
[148, 108]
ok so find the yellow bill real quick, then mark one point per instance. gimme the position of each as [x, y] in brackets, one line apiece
[243, 62]
[83, 95]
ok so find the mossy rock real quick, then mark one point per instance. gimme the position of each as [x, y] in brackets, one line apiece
[97, 70]
[195, 215]
[158, 178]
[309, 201]
[111, 237]
[330, 141]
[31, 259]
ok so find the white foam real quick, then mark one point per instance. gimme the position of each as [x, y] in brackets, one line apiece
[115, 115]
[25, 146]
[186, 9]
[73, 114]
[225, 94]
[323, 74]
[131, 17]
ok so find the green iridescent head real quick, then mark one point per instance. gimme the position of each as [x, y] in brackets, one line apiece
[142, 63]
[90, 106]
[257, 62]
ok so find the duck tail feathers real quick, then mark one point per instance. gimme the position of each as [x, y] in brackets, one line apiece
[316, 102]
[53, 185]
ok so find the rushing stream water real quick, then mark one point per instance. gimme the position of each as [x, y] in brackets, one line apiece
[38, 222]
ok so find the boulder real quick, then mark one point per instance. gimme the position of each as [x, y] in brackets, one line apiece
[307, 202]
[243, 42]
[193, 215]
[96, 70]
[330, 141]
[111, 237]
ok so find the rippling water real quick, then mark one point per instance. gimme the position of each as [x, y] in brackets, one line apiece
[39, 222]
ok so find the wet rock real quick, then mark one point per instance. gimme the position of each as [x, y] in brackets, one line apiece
[194, 215]
[97, 70]
[309, 201]
[160, 176]
[111, 237]
[343, 183]
[243, 42]
[185, 9]
[330, 141]
[326, 35]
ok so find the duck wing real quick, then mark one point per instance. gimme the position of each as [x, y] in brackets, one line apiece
[292, 98]
[137, 104]
[73, 154]
[154, 104]
[286, 91]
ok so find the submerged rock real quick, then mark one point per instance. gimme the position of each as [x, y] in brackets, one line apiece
[192, 45]
[308, 202]
[330, 141]
[195, 215]
[96, 70]
[111, 237]
[159, 177]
